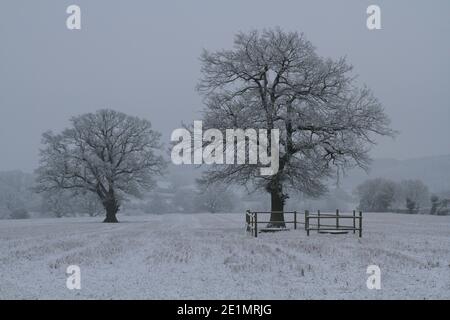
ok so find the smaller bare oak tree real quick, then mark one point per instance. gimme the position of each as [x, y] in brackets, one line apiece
[108, 153]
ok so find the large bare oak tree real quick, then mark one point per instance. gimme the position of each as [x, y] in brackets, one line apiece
[108, 153]
[276, 80]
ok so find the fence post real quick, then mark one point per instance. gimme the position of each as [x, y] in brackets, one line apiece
[295, 220]
[307, 222]
[354, 221]
[256, 225]
[337, 218]
[318, 221]
[247, 221]
[360, 224]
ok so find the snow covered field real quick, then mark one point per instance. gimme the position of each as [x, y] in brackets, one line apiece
[205, 256]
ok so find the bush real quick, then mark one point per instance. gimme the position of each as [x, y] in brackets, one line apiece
[19, 214]
[439, 207]
[434, 204]
[416, 194]
[377, 195]
[410, 205]
[444, 212]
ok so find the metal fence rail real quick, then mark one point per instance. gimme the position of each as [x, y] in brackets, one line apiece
[333, 227]
[252, 221]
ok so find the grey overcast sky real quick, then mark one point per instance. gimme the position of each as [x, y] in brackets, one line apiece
[141, 57]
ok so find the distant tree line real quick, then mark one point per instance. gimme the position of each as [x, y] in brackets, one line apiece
[188, 198]
[19, 199]
[407, 196]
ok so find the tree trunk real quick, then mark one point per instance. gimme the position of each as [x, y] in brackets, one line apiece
[111, 208]
[277, 207]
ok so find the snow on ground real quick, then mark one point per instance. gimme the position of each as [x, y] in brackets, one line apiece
[206, 256]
